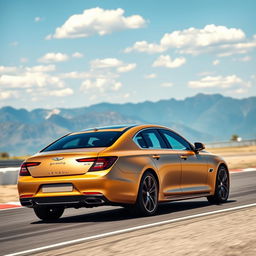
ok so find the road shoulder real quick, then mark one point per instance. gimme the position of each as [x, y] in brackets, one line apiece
[222, 234]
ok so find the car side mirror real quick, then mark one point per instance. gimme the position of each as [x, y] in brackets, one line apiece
[199, 146]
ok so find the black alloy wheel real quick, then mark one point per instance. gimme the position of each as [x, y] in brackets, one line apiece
[221, 187]
[147, 199]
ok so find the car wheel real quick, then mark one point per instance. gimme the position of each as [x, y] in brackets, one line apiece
[221, 187]
[147, 198]
[48, 213]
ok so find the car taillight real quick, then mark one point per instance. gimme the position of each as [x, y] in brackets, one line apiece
[24, 170]
[99, 163]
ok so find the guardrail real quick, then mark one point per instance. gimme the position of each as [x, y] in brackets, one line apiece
[225, 144]
[8, 175]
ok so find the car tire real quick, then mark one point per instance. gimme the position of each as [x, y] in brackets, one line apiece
[221, 187]
[48, 213]
[147, 198]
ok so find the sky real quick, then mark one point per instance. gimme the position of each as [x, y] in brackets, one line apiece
[77, 53]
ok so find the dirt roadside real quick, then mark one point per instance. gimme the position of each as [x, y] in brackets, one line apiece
[233, 150]
[8, 193]
[234, 162]
[229, 234]
[237, 157]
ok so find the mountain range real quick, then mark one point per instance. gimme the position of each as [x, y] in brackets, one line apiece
[199, 118]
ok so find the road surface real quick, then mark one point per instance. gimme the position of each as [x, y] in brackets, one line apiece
[21, 230]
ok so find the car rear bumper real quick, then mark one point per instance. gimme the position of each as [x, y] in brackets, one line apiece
[66, 201]
[116, 186]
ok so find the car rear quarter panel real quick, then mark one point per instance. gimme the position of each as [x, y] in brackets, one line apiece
[126, 174]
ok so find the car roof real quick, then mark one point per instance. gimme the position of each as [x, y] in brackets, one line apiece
[119, 128]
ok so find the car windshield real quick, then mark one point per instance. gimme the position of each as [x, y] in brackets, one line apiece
[84, 140]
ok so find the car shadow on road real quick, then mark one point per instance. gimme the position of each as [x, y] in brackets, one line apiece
[119, 214]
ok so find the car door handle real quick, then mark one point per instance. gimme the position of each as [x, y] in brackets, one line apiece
[184, 157]
[156, 157]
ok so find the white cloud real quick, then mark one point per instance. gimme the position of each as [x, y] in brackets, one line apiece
[217, 81]
[167, 84]
[76, 75]
[41, 68]
[253, 77]
[206, 73]
[100, 84]
[216, 62]
[30, 79]
[144, 46]
[240, 91]
[120, 66]
[97, 21]
[4, 95]
[209, 35]
[77, 55]
[212, 38]
[53, 57]
[8, 69]
[116, 86]
[126, 95]
[92, 74]
[61, 93]
[126, 68]
[22, 69]
[38, 19]
[150, 76]
[106, 63]
[243, 59]
[238, 48]
[35, 81]
[166, 61]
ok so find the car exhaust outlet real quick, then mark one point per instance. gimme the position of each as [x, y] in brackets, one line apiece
[94, 201]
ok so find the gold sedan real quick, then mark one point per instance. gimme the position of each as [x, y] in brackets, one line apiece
[136, 166]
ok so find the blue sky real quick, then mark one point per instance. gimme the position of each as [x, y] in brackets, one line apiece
[78, 53]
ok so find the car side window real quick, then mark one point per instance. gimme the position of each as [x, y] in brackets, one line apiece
[176, 142]
[153, 139]
[139, 140]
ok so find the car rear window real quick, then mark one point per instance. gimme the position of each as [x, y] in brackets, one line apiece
[84, 140]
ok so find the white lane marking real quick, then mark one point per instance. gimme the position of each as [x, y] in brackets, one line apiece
[14, 203]
[249, 169]
[117, 232]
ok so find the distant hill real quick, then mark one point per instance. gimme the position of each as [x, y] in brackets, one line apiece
[199, 118]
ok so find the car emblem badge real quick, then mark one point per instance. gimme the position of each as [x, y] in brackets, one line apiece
[57, 158]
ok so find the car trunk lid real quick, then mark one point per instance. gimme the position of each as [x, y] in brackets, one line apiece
[62, 163]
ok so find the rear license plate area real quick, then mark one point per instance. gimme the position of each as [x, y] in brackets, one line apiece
[51, 188]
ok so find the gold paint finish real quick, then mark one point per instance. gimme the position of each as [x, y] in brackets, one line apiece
[180, 173]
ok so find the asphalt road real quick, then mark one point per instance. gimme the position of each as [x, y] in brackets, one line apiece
[21, 230]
